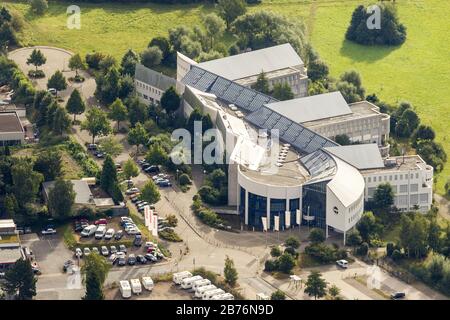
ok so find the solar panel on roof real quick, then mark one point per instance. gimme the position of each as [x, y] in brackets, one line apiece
[272, 120]
[244, 99]
[232, 93]
[220, 86]
[205, 81]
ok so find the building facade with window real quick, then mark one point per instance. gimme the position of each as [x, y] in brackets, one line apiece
[150, 85]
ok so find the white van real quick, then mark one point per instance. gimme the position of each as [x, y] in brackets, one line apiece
[179, 276]
[199, 292]
[223, 296]
[207, 295]
[125, 289]
[188, 282]
[136, 286]
[148, 284]
[100, 233]
[200, 283]
[89, 230]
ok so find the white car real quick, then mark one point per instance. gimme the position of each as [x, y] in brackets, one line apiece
[132, 190]
[78, 253]
[342, 263]
[86, 252]
[109, 234]
[105, 251]
[134, 231]
[48, 231]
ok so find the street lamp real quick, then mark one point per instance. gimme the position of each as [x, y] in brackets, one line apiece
[177, 176]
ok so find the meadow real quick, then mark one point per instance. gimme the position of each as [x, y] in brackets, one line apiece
[418, 71]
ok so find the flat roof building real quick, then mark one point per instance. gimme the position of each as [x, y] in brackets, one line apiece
[10, 250]
[11, 130]
[150, 85]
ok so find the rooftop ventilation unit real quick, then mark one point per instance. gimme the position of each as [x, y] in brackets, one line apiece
[390, 162]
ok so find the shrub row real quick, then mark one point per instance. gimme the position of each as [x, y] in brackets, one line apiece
[89, 166]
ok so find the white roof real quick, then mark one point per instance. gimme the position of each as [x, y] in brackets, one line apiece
[347, 184]
[252, 63]
[361, 156]
[7, 223]
[312, 108]
[247, 153]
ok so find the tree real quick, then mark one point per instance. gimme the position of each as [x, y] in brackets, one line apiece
[278, 295]
[413, 235]
[75, 105]
[96, 270]
[262, 83]
[214, 26]
[137, 111]
[49, 164]
[424, 132]
[96, 123]
[317, 70]
[130, 169]
[156, 155]
[163, 44]
[316, 236]
[432, 153]
[111, 146]
[315, 285]
[390, 31]
[61, 121]
[76, 63]
[39, 6]
[108, 176]
[137, 136]
[230, 273]
[367, 226]
[292, 242]
[286, 263]
[118, 112]
[129, 61]
[36, 58]
[282, 91]
[434, 236]
[57, 81]
[19, 281]
[61, 198]
[26, 182]
[150, 192]
[350, 86]
[170, 100]
[334, 292]
[10, 204]
[383, 197]
[407, 123]
[151, 57]
[229, 10]
[342, 139]
[172, 220]
[275, 252]
[217, 178]
[353, 238]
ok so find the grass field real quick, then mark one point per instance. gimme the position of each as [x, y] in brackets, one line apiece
[418, 71]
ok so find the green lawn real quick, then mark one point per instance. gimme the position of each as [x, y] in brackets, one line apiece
[418, 71]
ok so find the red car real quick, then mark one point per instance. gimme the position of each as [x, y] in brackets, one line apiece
[150, 250]
[100, 221]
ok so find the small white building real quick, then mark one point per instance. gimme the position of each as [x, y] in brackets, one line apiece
[11, 129]
[150, 85]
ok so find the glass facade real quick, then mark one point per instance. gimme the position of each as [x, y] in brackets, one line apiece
[294, 204]
[242, 205]
[277, 208]
[314, 203]
[257, 208]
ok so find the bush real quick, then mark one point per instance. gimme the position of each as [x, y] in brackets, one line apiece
[322, 253]
[184, 179]
[291, 251]
[363, 249]
[271, 265]
[36, 74]
[170, 235]
[275, 252]
[278, 295]
[396, 255]
[286, 263]
[316, 235]
[292, 242]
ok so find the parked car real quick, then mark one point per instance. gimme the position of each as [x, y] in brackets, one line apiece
[105, 251]
[112, 258]
[67, 265]
[398, 295]
[151, 169]
[86, 251]
[100, 233]
[137, 240]
[52, 91]
[150, 257]
[95, 250]
[78, 227]
[342, 263]
[134, 231]
[141, 259]
[131, 259]
[100, 222]
[136, 199]
[92, 146]
[78, 253]
[118, 235]
[122, 248]
[100, 154]
[132, 190]
[48, 231]
[113, 249]
[109, 234]
[121, 261]
[89, 231]
[165, 184]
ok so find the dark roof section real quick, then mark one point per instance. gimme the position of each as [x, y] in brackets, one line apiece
[10, 122]
[154, 78]
[252, 101]
[319, 164]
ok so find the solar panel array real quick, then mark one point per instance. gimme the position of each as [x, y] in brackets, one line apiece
[245, 98]
[319, 164]
[251, 101]
[301, 138]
